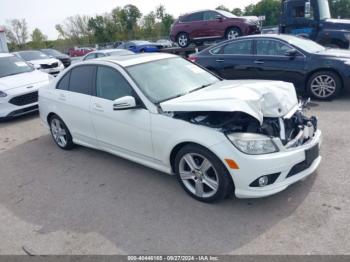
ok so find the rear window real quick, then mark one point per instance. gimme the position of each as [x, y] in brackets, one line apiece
[192, 17]
[238, 48]
[63, 84]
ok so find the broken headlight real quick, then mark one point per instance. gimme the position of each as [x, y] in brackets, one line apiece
[253, 144]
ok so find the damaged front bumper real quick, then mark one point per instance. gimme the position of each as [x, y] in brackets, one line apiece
[289, 164]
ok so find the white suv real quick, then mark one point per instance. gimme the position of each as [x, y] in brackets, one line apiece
[19, 84]
[219, 137]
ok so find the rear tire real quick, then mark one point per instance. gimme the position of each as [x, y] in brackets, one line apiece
[183, 40]
[202, 175]
[60, 133]
[324, 85]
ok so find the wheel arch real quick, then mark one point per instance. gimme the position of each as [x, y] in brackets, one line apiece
[179, 146]
[320, 70]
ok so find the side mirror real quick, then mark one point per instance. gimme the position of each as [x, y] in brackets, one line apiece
[218, 17]
[307, 10]
[291, 53]
[124, 103]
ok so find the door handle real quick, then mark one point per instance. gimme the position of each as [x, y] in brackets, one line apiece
[258, 62]
[98, 107]
[220, 60]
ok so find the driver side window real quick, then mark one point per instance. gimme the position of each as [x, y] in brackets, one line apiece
[110, 84]
[271, 48]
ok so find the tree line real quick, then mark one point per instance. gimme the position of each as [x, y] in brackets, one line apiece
[125, 23]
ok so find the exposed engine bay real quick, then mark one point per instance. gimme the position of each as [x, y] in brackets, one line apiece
[293, 131]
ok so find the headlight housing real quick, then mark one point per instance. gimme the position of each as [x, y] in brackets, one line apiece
[2, 94]
[253, 144]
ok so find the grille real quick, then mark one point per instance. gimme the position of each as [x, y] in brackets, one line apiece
[46, 66]
[23, 111]
[25, 99]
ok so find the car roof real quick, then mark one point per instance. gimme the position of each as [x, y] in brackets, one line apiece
[134, 59]
[276, 36]
[197, 11]
[26, 51]
[108, 50]
[6, 55]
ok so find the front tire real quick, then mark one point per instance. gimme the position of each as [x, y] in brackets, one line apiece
[324, 85]
[183, 40]
[233, 33]
[201, 174]
[60, 133]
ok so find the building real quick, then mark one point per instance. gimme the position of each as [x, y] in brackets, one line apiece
[3, 42]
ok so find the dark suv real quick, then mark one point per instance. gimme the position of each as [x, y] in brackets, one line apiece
[211, 25]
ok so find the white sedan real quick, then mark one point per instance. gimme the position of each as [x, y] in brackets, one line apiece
[41, 61]
[19, 84]
[219, 137]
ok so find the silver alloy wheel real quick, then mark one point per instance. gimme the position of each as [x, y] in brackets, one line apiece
[232, 34]
[182, 40]
[198, 175]
[58, 132]
[323, 86]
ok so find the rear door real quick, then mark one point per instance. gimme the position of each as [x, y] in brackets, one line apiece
[74, 95]
[193, 25]
[212, 24]
[234, 60]
[272, 62]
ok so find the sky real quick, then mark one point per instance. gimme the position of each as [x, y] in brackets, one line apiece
[45, 14]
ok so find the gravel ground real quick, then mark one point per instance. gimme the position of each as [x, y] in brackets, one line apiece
[89, 202]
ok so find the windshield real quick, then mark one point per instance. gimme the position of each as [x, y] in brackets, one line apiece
[226, 14]
[165, 79]
[13, 65]
[306, 45]
[32, 55]
[324, 9]
[52, 52]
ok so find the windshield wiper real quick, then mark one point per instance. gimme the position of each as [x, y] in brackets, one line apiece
[198, 88]
[183, 94]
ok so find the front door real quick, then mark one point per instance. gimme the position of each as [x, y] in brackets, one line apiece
[125, 132]
[273, 63]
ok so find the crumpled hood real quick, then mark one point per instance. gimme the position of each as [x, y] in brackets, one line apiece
[47, 61]
[258, 98]
[23, 80]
